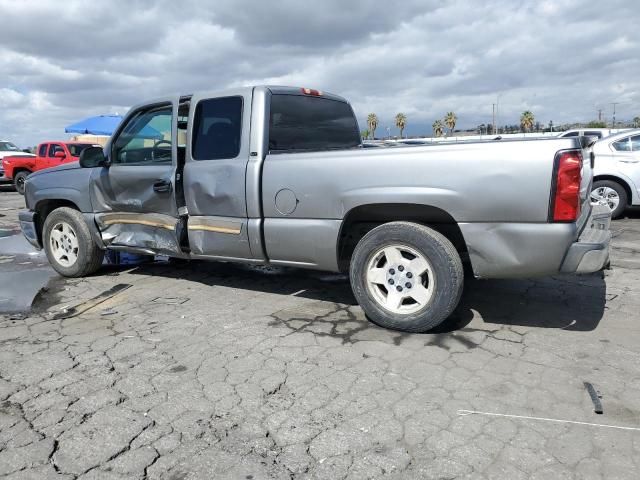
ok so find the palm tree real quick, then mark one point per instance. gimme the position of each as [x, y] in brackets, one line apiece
[526, 120]
[450, 121]
[372, 122]
[401, 122]
[438, 128]
[636, 122]
[364, 134]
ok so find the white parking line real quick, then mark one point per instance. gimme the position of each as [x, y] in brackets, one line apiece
[524, 417]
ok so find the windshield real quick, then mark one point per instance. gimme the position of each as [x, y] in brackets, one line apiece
[76, 148]
[8, 147]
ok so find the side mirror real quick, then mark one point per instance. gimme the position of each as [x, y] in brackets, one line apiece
[59, 154]
[92, 157]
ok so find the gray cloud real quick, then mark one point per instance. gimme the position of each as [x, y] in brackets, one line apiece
[563, 60]
[328, 23]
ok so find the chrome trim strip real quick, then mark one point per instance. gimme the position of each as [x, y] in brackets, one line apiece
[227, 225]
[211, 228]
[147, 219]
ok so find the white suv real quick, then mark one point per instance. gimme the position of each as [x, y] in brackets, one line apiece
[616, 176]
[591, 132]
[8, 148]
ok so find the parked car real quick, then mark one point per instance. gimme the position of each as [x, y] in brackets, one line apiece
[7, 149]
[49, 154]
[277, 175]
[590, 132]
[617, 171]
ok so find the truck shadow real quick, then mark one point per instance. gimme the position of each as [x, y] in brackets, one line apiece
[569, 302]
[631, 213]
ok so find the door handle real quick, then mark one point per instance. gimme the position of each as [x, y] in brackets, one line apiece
[162, 186]
[629, 161]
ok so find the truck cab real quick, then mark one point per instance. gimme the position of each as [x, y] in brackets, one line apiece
[53, 154]
[182, 176]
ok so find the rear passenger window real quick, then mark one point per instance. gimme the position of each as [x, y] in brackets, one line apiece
[593, 134]
[42, 151]
[305, 123]
[217, 128]
[571, 134]
[622, 145]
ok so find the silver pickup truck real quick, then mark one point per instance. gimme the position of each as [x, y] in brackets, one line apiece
[278, 175]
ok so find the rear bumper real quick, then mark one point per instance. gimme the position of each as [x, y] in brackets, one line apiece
[590, 253]
[28, 227]
[525, 250]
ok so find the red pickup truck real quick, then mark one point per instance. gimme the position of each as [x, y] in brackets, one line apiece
[49, 154]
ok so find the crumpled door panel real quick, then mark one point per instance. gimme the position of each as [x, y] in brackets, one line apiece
[152, 231]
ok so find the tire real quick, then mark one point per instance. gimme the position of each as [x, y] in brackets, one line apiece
[72, 239]
[611, 192]
[416, 305]
[19, 179]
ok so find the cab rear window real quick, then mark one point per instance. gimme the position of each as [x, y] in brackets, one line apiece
[309, 123]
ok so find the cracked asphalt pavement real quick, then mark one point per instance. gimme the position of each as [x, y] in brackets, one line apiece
[211, 370]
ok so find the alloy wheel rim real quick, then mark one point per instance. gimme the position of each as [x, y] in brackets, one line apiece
[400, 279]
[64, 244]
[606, 195]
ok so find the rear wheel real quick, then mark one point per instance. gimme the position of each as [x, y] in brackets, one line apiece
[406, 276]
[19, 180]
[68, 244]
[611, 193]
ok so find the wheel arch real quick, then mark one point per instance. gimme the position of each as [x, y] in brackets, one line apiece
[17, 170]
[44, 207]
[361, 219]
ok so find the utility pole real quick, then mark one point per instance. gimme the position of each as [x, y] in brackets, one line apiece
[614, 114]
[497, 119]
[493, 109]
[599, 114]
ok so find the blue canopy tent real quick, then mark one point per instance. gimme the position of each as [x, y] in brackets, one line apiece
[106, 125]
[99, 125]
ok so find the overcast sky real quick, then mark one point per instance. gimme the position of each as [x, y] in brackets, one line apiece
[562, 59]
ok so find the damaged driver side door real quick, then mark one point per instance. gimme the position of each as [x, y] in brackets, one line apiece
[134, 194]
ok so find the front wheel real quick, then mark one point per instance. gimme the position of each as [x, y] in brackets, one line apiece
[68, 244]
[406, 276]
[611, 193]
[19, 179]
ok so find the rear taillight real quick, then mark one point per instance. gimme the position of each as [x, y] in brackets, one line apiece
[565, 197]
